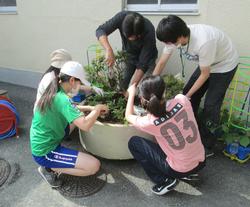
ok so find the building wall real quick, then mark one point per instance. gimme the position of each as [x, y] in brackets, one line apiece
[41, 26]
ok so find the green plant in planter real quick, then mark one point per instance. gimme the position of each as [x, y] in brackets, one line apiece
[231, 133]
[116, 103]
[99, 74]
[173, 86]
[109, 80]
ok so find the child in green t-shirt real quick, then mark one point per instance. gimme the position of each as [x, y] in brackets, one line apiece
[50, 124]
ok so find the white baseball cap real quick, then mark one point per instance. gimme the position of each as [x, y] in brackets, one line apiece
[76, 70]
[59, 57]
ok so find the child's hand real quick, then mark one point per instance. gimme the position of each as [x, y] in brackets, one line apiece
[97, 90]
[110, 57]
[132, 89]
[125, 93]
[103, 109]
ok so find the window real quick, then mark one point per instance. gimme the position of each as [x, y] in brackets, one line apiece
[171, 6]
[7, 6]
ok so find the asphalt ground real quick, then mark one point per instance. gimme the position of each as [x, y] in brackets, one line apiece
[222, 182]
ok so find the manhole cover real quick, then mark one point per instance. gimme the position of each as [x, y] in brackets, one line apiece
[75, 187]
[4, 171]
[15, 173]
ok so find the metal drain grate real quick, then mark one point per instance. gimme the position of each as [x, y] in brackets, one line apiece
[76, 187]
[15, 173]
[4, 171]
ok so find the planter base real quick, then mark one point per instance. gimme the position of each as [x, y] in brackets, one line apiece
[110, 141]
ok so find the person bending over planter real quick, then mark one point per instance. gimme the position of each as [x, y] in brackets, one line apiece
[138, 41]
[178, 151]
[54, 112]
[217, 61]
[58, 58]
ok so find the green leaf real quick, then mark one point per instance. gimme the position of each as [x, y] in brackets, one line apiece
[173, 86]
[99, 75]
[225, 128]
[229, 138]
[244, 141]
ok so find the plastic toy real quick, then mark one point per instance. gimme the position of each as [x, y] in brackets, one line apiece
[9, 118]
[237, 152]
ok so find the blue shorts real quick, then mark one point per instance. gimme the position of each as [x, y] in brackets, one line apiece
[61, 157]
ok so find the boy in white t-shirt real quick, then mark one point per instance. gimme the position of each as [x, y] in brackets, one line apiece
[217, 62]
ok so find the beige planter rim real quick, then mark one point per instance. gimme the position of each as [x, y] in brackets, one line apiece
[110, 141]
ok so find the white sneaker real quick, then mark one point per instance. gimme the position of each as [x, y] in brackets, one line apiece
[50, 177]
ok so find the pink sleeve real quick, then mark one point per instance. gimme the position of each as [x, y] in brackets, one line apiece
[182, 99]
[142, 123]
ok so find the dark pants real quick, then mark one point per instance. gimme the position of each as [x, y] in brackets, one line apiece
[130, 70]
[215, 88]
[153, 160]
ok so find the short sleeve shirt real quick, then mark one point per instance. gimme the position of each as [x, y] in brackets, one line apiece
[208, 46]
[177, 134]
[47, 129]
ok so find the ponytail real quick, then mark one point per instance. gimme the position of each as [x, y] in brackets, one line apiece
[48, 95]
[50, 69]
[156, 106]
[50, 92]
[152, 89]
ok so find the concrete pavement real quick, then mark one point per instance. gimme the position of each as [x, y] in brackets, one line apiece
[223, 182]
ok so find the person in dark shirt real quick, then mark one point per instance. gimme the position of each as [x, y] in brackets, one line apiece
[138, 41]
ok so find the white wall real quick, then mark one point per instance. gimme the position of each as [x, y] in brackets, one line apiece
[41, 26]
[27, 38]
[233, 17]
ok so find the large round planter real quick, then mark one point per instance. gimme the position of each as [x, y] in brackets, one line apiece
[110, 141]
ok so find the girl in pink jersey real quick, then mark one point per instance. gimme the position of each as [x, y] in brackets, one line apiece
[178, 151]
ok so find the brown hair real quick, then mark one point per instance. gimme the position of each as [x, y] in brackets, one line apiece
[50, 92]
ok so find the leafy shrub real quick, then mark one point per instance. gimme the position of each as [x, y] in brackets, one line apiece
[173, 86]
[99, 74]
[116, 103]
[109, 80]
[232, 133]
